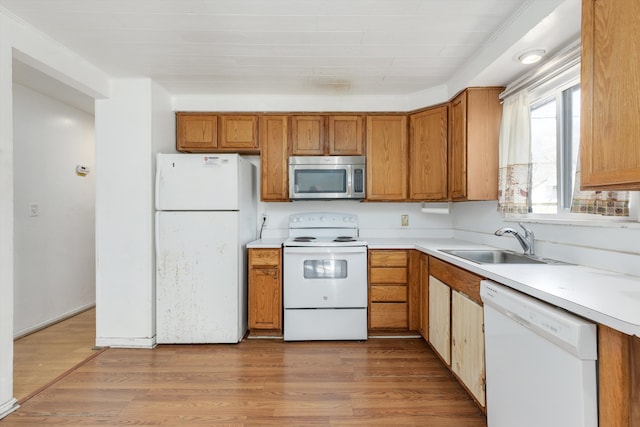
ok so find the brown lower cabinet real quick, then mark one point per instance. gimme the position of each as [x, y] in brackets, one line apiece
[265, 291]
[455, 323]
[618, 378]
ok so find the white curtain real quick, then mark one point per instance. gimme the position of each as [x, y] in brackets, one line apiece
[514, 183]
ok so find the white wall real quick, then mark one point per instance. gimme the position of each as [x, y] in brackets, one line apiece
[375, 219]
[19, 40]
[54, 251]
[125, 162]
[7, 402]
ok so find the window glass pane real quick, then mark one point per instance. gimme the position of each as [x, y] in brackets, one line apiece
[575, 132]
[544, 194]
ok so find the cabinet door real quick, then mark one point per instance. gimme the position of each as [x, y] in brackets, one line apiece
[307, 135]
[196, 132]
[265, 289]
[428, 155]
[484, 113]
[239, 132]
[440, 318]
[387, 158]
[346, 135]
[474, 129]
[265, 298]
[467, 344]
[610, 95]
[274, 185]
[458, 147]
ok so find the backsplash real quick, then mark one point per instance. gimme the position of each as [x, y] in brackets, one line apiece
[611, 247]
[375, 219]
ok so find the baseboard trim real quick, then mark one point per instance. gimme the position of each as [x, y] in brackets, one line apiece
[119, 342]
[8, 407]
[45, 324]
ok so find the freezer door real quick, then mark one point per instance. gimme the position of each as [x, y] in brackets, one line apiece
[200, 288]
[197, 182]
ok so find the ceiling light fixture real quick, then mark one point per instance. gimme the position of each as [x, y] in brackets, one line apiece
[531, 56]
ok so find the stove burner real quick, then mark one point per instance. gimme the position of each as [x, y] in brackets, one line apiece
[304, 239]
[344, 239]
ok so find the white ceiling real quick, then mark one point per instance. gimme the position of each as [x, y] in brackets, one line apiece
[350, 47]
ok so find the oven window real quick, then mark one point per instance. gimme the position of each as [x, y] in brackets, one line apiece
[320, 181]
[325, 269]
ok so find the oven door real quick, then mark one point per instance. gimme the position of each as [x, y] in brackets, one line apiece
[325, 277]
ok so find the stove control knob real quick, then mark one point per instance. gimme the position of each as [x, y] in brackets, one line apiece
[322, 218]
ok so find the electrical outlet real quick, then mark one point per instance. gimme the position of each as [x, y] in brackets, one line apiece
[265, 219]
[34, 209]
[404, 220]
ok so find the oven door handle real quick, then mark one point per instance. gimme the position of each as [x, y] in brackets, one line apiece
[333, 250]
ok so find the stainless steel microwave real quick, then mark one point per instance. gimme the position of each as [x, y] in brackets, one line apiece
[326, 177]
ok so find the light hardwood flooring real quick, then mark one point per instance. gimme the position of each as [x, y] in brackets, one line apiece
[41, 357]
[258, 382]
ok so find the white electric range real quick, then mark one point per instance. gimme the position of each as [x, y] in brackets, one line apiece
[325, 278]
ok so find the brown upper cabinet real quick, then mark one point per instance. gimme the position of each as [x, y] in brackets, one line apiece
[274, 139]
[327, 135]
[610, 95]
[387, 157]
[308, 135]
[196, 132]
[428, 155]
[207, 132]
[346, 135]
[474, 128]
[239, 132]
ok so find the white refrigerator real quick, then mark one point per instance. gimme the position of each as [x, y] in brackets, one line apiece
[205, 216]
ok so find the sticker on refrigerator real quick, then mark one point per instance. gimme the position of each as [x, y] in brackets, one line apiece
[214, 161]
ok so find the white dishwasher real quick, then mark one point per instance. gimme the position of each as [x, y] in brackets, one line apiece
[540, 362]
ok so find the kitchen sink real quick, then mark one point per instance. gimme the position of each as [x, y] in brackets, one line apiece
[497, 257]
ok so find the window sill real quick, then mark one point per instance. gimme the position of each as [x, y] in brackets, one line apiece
[575, 220]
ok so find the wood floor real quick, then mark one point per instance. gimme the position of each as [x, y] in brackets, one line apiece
[258, 382]
[41, 357]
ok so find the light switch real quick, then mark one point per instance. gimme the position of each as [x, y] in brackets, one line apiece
[34, 209]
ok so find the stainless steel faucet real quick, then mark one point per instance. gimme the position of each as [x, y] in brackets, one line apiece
[526, 241]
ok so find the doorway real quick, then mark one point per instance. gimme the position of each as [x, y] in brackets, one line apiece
[54, 205]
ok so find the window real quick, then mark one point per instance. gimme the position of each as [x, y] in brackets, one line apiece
[555, 138]
[539, 149]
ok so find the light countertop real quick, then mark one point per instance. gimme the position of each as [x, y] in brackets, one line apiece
[266, 243]
[612, 299]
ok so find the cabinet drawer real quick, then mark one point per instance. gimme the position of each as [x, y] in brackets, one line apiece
[264, 257]
[393, 258]
[388, 275]
[388, 315]
[388, 293]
